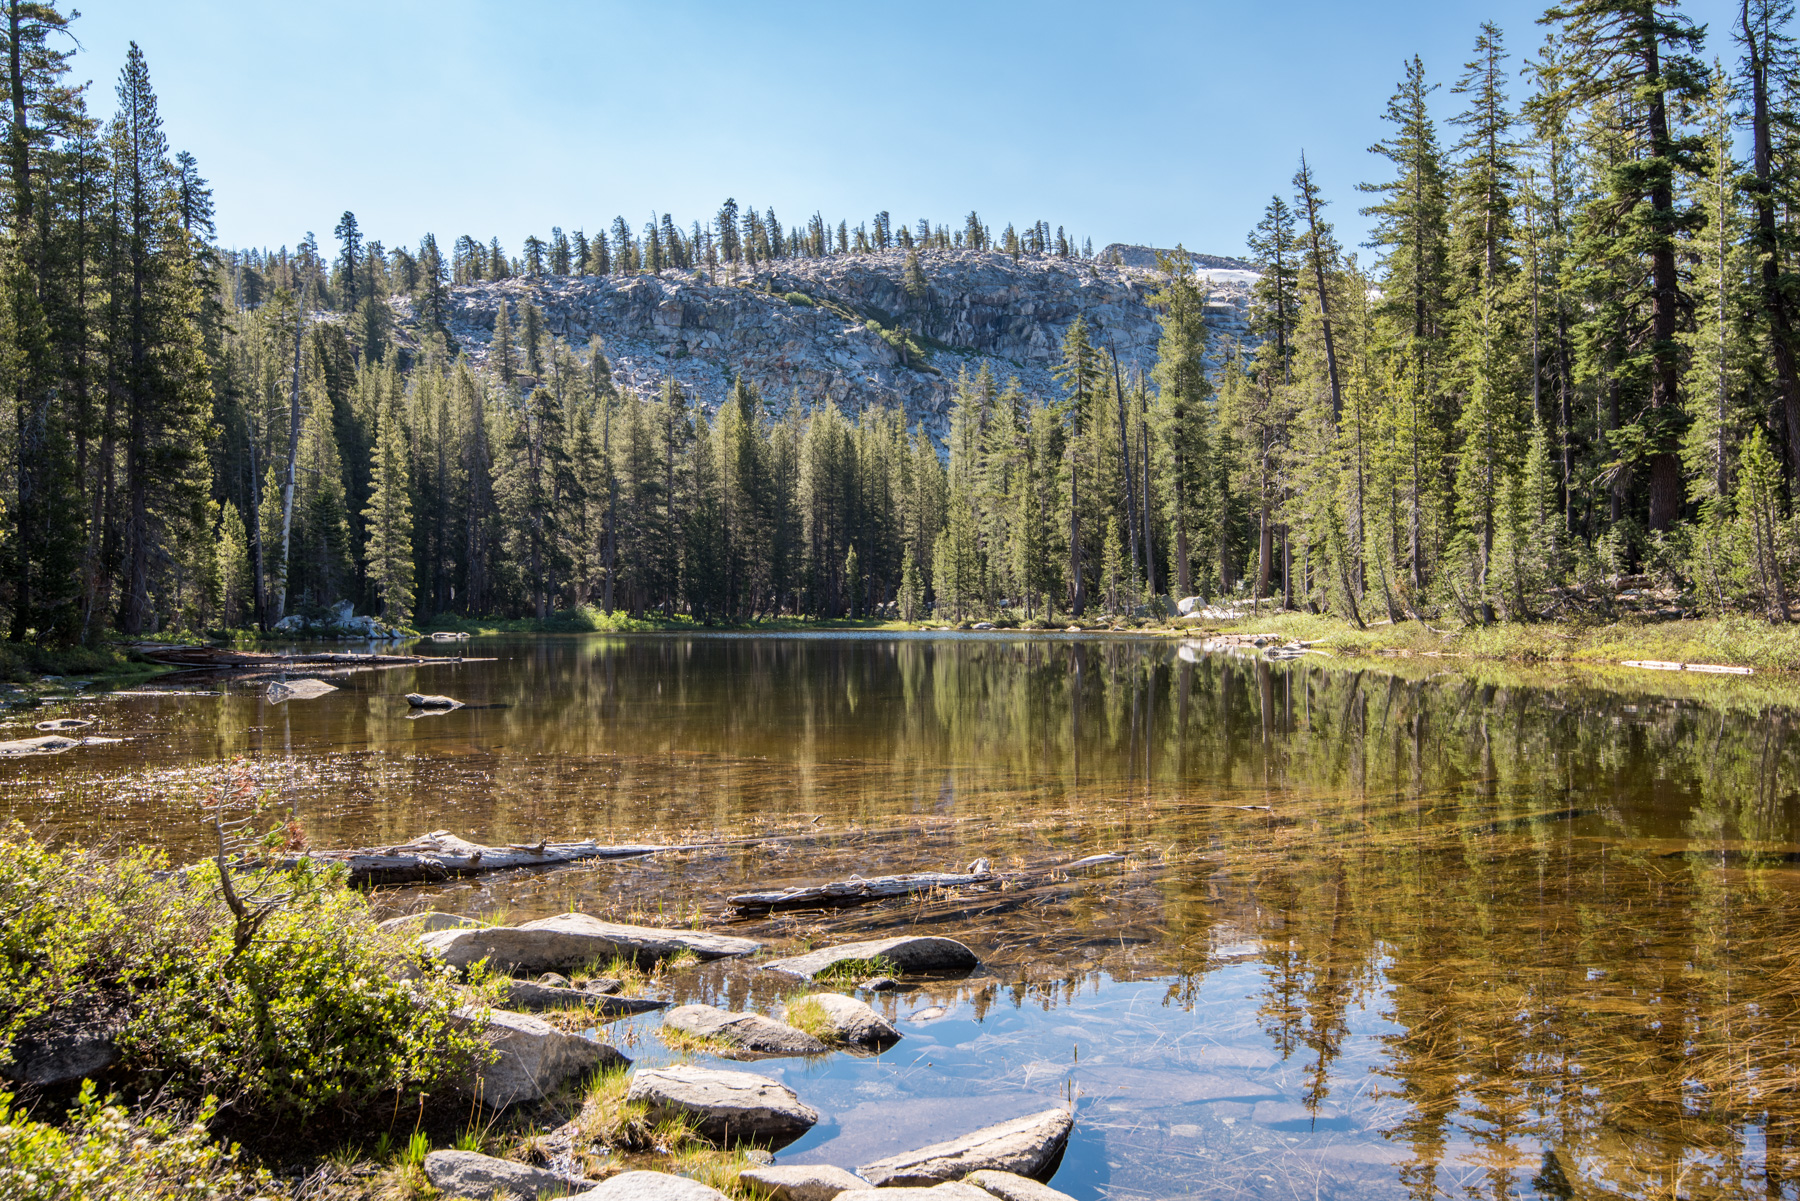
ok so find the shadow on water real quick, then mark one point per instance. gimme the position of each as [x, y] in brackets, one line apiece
[1378, 932]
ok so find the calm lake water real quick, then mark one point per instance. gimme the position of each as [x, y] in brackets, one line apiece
[1381, 931]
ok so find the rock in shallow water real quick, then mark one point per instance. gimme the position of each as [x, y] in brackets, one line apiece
[574, 938]
[1028, 1146]
[802, 1182]
[429, 923]
[469, 1174]
[535, 997]
[951, 1190]
[850, 1022]
[727, 1107]
[747, 1032]
[533, 1059]
[649, 1186]
[1009, 1186]
[922, 954]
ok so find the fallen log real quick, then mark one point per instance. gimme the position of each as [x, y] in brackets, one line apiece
[440, 855]
[855, 891]
[229, 660]
[422, 701]
[860, 891]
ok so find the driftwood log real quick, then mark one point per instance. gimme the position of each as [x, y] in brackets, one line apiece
[219, 658]
[441, 855]
[859, 891]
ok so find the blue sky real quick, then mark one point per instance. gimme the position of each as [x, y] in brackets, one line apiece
[1135, 122]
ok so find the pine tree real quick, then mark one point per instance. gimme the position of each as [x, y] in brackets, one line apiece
[159, 361]
[501, 354]
[1638, 53]
[389, 553]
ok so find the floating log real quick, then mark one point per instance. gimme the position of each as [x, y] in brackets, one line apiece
[421, 701]
[440, 855]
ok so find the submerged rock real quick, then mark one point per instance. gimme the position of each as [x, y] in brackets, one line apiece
[63, 723]
[747, 1032]
[802, 1182]
[1028, 1146]
[532, 1059]
[574, 938]
[727, 1107]
[480, 1177]
[911, 954]
[429, 923]
[49, 744]
[650, 1186]
[850, 1022]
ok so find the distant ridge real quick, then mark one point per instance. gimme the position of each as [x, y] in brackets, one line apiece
[1145, 256]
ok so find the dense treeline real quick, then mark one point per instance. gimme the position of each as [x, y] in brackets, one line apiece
[1570, 357]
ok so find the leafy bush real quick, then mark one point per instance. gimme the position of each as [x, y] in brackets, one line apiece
[316, 1014]
[106, 1154]
[799, 298]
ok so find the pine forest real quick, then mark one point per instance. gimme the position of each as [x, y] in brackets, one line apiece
[1566, 355]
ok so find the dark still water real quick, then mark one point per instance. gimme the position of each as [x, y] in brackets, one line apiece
[1379, 932]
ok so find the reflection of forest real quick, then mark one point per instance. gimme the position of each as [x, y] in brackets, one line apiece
[1571, 899]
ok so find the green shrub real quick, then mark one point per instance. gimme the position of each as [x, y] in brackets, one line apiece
[106, 1154]
[799, 298]
[312, 1016]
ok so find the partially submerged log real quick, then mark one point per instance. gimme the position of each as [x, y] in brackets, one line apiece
[221, 659]
[441, 855]
[859, 891]
[423, 701]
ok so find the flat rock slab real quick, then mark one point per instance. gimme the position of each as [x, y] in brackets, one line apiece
[1028, 1146]
[298, 690]
[419, 700]
[851, 1023]
[951, 1190]
[574, 938]
[469, 1174]
[920, 954]
[532, 1058]
[727, 1107]
[650, 1186]
[751, 1033]
[1011, 1187]
[534, 997]
[802, 1182]
[63, 723]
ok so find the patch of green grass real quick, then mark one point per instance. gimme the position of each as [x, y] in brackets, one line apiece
[852, 971]
[809, 1017]
[1733, 641]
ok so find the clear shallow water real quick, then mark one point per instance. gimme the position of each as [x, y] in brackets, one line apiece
[1380, 932]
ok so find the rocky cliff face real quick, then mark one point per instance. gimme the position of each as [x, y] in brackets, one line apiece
[846, 328]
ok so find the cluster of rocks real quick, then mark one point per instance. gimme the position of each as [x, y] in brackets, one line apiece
[341, 622]
[532, 1059]
[847, 329]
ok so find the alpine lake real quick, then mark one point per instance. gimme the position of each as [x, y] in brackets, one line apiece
[1414, 928]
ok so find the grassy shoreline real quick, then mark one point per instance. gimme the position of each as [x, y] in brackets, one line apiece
[1729, 641]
